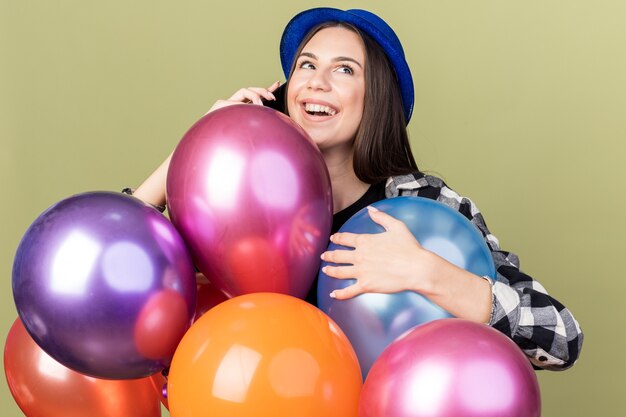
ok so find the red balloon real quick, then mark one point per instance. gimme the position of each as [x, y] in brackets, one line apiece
[451, 368]
[159, 383]
[207, 298]
[250, 193]
[42, 387]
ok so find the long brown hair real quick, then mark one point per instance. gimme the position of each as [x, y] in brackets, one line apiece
[381, 145]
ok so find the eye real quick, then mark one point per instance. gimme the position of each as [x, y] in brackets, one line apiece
[345, 69]
[306, 65]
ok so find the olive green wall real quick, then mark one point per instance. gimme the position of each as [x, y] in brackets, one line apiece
[519, 104]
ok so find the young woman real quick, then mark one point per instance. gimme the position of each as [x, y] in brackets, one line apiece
[350, 88]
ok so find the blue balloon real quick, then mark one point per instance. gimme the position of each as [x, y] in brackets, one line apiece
[372, 321]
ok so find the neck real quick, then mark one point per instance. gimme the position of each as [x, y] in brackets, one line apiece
[347, 187]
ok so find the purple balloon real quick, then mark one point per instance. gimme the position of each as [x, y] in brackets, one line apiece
[104, 284]
[451, 368]
[250, 193]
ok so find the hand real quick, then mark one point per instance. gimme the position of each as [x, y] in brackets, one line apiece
[252, 95]
[387, 262]
[394, 261]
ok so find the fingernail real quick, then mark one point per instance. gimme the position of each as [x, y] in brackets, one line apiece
[332, 238]
[372, 208]
[332, 295]
[324, 269]
[322, 256]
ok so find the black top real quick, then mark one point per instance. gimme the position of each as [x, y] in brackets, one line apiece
[375, 193]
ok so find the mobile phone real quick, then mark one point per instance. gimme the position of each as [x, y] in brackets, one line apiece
[279, 103]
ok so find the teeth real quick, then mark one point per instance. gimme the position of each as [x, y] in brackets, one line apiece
[318, 108]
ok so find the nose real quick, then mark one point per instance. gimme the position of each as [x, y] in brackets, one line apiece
[319, 81]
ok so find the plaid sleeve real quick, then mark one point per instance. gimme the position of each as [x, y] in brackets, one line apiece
[522, 309]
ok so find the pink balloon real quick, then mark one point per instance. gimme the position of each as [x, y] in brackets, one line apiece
[250, 193]
[451, 368]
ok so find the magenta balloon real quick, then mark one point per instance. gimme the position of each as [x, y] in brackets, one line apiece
[250, 193]
[105, 285]
[451, 368]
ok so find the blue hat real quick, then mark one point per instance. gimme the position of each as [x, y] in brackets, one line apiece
[368, 22]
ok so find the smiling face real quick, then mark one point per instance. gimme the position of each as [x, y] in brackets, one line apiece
[327, 88]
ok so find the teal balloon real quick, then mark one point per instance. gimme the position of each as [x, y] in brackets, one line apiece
[372, 321]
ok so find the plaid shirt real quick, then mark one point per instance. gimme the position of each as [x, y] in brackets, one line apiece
[521, 307]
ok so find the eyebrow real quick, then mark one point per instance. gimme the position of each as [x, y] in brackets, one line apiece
[336, 59]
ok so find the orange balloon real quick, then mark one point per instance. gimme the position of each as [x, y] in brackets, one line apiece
[42, 387]
[264, 355]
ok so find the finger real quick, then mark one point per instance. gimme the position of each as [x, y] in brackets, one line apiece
[218, 105]
[345, 239]
[245, 95]
[253, 96]
[273, 87]
[348, 292]
[238, 96]
[385, 220]
[339, 256]
[263, 92]
[340, 272]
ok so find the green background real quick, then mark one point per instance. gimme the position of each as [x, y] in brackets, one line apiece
[519, 105]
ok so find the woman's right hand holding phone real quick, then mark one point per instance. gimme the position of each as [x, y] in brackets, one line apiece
[252, 95]
[152, 190]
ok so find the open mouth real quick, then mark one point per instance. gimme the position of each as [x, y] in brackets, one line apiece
[319, 110]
